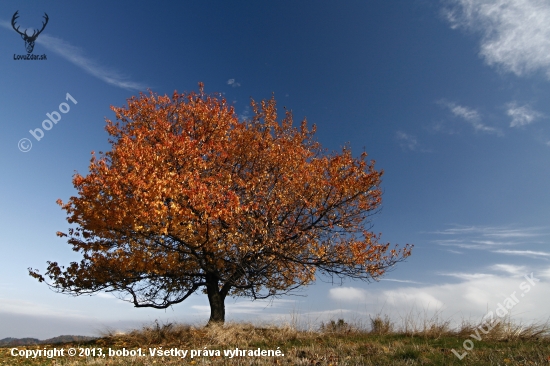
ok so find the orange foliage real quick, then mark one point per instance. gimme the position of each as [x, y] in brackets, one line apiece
[191, 197]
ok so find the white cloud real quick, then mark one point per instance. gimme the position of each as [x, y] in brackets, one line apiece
[461, 245]
[407, 297]
[466, 113]
[413, 297]
[233, 83]
[406, 141]
[23, 307]
[471, 298]
[487, 242]
[510, 269]
[500, 240]
[512, 233]
[515, 33]
[493, 231]
[348, 294]
[467, 276]
[522, 115]
[525, 253]
[469, 115]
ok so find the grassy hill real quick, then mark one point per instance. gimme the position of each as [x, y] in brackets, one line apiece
[33, 341]
[333, 343]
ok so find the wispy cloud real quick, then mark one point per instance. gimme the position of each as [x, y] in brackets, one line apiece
[495, 239]
[233, 83]
[443, 127]
[406, 141]
[467, 276]
[76, 56]
[525, 253]
[522, 115]
[510, 269]
[469, 115]
[515, 34]
[24, 307]
[493, 231]
[459, 245]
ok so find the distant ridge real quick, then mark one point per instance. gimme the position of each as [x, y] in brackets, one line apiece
[34, 341]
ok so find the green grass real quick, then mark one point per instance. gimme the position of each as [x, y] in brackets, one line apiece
[425, 342]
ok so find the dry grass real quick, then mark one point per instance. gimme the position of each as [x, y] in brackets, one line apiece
[507, 330]
[417, 340]
[240, 335]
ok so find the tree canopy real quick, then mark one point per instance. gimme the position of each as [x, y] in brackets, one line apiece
[191, 198]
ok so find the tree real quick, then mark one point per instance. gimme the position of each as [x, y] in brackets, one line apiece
[191, 198]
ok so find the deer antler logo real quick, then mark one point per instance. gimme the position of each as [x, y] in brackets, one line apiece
[29, 40]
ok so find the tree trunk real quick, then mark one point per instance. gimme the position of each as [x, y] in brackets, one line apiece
[216, 300]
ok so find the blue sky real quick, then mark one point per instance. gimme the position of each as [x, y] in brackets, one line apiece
[449, 97]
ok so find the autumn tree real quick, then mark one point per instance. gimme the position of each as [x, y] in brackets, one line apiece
[191, 198]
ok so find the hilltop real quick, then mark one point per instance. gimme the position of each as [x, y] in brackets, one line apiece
[9, 341]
